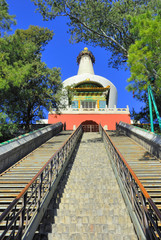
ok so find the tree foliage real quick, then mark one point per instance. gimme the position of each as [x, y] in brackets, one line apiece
[144, 59]
[8, 129]
[6, 20]
[27, 85]
[99, 23]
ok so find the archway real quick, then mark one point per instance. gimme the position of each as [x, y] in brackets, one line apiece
[90, 126]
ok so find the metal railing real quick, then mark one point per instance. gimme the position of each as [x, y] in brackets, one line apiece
[146, 212]
[18, 218]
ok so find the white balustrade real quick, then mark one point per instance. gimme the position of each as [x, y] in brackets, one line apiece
[96, 110]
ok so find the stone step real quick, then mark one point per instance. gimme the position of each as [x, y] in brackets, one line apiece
[91, 236]
[91, 205]
[83, 226]
[94, 218]
[77, 195]
[91, 232]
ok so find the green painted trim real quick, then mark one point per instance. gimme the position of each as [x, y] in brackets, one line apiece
[145, 130]
[76, 98]
[21, 136]
[155, 106]
[150, 110]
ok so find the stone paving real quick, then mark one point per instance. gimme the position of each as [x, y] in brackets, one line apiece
[91, 206]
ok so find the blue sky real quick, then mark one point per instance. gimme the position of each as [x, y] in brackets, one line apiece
[60, 53]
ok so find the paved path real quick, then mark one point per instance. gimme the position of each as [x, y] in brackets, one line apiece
[92, 207]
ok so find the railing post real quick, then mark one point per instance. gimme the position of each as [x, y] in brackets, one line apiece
[40, 191]
[131, 191]
[57, 165]
[51, 173]
[22, 215]
[145, 220]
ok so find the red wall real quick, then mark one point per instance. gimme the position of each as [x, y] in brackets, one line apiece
[76, 119]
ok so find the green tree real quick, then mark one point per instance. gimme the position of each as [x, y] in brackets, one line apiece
[8, 129]
[99, 23]
[6, 20]
[69, 93]
[27, 85]
[144, 59]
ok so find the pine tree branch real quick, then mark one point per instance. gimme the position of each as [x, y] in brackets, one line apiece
[103, 34]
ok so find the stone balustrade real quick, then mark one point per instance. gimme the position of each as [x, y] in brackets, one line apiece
[95, 110]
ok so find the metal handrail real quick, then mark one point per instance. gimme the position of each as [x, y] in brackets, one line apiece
[148, 217]
[23, 209]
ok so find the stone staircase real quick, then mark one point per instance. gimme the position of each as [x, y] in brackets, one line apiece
[91, 205]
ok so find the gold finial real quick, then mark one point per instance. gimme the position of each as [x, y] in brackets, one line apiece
[87, 79]
[85, 52]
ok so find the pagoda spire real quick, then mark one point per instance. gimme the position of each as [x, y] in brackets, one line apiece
[85, 60]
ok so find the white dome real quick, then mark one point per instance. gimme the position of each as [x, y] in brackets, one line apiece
[85, 71]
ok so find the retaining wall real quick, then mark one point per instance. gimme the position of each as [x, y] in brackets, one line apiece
[148, 140]
[13, 150]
